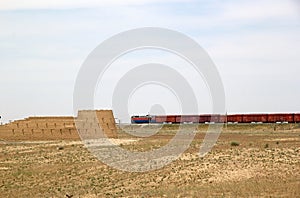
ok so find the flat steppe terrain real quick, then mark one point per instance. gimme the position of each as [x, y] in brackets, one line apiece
[255, 160]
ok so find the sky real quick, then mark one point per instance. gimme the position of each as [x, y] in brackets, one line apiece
[255, 46]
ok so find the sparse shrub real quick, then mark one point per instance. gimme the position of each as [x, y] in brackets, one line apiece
[277, 142]
[266, 145]
[60, 148]
[234, 144]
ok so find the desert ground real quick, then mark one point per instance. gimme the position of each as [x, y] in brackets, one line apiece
[249, 160]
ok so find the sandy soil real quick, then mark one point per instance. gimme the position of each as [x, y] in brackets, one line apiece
[266, 163]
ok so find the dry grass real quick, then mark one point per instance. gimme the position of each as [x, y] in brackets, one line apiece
[60, 168]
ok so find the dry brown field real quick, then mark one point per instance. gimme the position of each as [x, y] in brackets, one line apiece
[253, 160]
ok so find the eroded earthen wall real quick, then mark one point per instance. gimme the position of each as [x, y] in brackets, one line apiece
[57, 128]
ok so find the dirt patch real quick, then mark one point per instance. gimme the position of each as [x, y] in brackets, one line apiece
[283, 139]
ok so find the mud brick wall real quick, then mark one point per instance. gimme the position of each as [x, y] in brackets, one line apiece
[57, 128]
[91, 122]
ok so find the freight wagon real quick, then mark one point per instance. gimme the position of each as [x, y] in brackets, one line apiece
[217, 118]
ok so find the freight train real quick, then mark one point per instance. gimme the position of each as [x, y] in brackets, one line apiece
[217, 118]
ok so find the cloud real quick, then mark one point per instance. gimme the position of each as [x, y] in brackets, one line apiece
[66, 4]
[259, 10]
[236, 15]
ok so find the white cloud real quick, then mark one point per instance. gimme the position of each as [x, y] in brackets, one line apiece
[265, 45]
[259, 10]
[233, 14]
[62, 4]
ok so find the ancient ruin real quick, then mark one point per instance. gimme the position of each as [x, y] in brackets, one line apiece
[59, 128]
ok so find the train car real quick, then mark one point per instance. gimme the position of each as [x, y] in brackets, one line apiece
[194, 118]
[248, 118]
[222, 119]
[273, 118]
[297, 117]
[171, 118]
[180, 119]
[160, 119]
[216, 118]
[187, 118]
[204, 118]
[289, 118]
[238, 118]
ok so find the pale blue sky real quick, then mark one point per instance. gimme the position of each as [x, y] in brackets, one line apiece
[254, 44]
